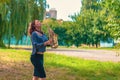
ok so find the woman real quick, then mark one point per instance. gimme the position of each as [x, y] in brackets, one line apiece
[39, 43]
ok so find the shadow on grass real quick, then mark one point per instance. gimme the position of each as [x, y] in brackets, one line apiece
[15, 71]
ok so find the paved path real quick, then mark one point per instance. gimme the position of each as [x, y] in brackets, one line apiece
[101, 55]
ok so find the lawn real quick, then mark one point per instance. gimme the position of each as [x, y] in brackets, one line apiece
[15, 65]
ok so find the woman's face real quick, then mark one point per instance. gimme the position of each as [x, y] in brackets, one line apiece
[37, 24]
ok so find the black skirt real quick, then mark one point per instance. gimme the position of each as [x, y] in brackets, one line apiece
[38, 63]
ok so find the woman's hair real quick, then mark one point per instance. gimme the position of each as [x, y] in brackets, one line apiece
[31, 27]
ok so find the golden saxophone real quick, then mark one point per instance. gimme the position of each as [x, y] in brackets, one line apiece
[54, 37]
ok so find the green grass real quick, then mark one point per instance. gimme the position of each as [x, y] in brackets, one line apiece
[15, 65]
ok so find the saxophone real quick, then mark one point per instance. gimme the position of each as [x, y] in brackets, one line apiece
[54, 37]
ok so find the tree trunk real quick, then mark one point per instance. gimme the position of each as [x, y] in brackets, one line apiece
[1, 43]
[96, 45]
[9, 40]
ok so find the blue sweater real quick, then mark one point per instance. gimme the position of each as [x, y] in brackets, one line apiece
[38, 42]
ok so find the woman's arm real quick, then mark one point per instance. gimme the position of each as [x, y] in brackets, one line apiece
[36, 44]
[34, 40]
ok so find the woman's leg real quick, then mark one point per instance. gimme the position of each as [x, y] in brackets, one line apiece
[37, 61]
[42, 78]
[35, 78]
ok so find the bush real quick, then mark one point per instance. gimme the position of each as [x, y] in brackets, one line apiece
[117, 46]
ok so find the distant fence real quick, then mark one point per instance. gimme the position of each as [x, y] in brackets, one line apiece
[25, 40]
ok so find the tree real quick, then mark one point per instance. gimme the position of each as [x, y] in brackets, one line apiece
[15, 16]
[91, 22]
[112, 17]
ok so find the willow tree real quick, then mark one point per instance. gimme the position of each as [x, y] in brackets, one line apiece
[3, 19]
[17, 14]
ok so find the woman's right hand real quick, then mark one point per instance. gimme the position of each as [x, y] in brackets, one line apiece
[48, 42]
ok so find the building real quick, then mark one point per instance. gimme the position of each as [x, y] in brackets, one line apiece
[52, 13]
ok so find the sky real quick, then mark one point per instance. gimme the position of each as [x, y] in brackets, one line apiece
[65, 8]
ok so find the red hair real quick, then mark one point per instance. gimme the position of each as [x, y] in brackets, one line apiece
[31, 27]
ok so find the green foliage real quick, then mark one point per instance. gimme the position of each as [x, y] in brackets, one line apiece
[15, 16]
[117, 46]
[97, 20]
[58, 27]
[113, 17]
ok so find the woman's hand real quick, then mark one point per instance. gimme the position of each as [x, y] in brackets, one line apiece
[48, 42]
